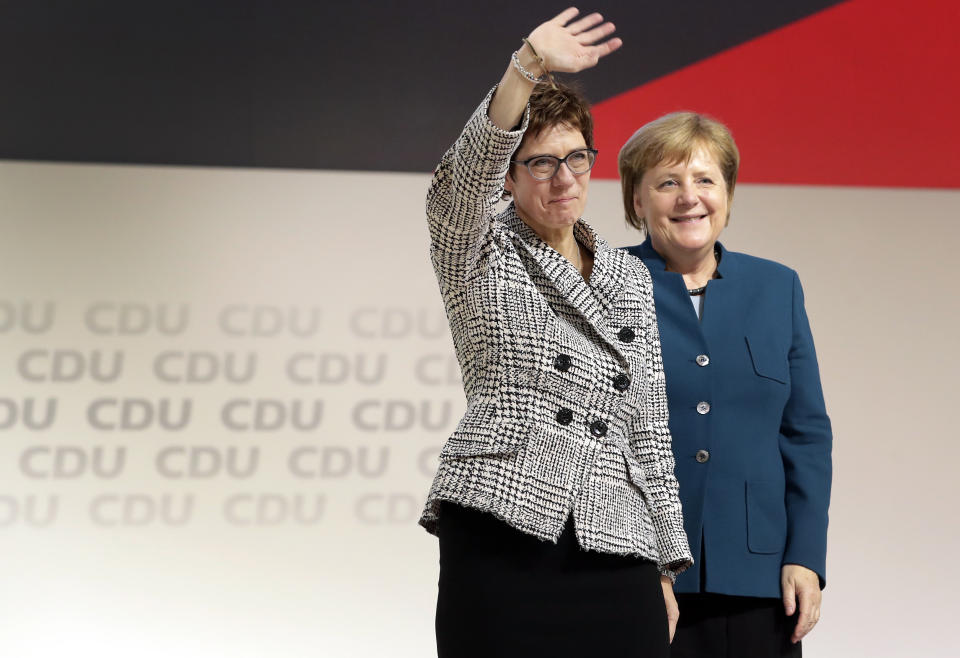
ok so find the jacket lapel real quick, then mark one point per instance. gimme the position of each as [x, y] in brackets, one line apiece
[720, 302]
[591, 302]
[606, 280]
[728, 296]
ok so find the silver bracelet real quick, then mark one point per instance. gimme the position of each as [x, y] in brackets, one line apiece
[524, 72]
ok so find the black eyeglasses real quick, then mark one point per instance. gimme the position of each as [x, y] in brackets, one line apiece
[545, 167]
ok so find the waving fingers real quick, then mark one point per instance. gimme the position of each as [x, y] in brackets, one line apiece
[565, 16]
[574, 47]
[583, 24]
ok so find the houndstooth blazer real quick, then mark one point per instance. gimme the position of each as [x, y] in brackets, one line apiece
[566, 402]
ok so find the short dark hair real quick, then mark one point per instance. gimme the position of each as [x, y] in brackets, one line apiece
[565, 106]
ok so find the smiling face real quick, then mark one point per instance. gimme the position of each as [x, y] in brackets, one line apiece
[549, 207]
[685, 204]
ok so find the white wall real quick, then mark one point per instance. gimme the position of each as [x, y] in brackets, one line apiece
[239, 249]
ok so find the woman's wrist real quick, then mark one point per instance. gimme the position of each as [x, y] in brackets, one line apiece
[530, 60]
[527, 65]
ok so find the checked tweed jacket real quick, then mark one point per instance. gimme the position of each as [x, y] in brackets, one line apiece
[566, 402]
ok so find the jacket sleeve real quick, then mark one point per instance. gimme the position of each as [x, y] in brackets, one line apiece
[805, 446]
[666, 510]
[466, 185]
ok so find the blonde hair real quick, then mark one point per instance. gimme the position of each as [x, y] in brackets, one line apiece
[674, 137]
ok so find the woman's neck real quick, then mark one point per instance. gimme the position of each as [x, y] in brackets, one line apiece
[560, 239]
[566, 245]
[697, 268]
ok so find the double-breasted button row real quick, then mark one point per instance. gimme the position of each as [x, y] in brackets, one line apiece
[563, 363]
[598, 428]
[702, 456]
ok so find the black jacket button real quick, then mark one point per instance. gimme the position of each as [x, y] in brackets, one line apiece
[598, 428]
[626, 335]
[562, 362]
[621, 382]
[564, 416]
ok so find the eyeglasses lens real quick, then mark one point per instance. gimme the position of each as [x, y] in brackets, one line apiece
[545, 167]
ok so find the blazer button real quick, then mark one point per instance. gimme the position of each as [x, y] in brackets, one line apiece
[562, 362]
[626, 335]
[702, 456]
[621, 382]
[702, 360]
[703, 408]
[598, 428]
[565, 416]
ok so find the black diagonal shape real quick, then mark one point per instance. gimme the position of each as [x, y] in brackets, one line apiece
[346, 85]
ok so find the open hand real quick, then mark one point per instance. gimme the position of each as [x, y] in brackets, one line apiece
[574, 47]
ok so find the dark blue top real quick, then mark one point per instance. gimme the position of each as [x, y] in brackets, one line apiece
[751, 435]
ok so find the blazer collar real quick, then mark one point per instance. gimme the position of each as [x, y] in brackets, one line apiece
[655, 263]
[594, 300]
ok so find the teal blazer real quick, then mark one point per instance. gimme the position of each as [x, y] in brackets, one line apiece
[751, 436]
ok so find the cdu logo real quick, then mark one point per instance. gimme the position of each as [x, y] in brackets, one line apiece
[29, 317]
[136, 319]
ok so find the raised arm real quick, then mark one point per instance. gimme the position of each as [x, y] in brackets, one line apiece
[562, 47]
[469, 179]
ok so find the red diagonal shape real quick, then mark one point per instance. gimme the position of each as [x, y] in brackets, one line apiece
[864, 93]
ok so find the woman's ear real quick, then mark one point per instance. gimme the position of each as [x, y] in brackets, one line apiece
[508, 181]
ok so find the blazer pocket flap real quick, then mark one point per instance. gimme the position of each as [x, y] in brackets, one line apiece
[766, 517]
[768, 360]
[483, 432]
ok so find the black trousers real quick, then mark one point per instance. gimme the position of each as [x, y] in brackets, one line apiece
[506, 594]
[720, 626]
